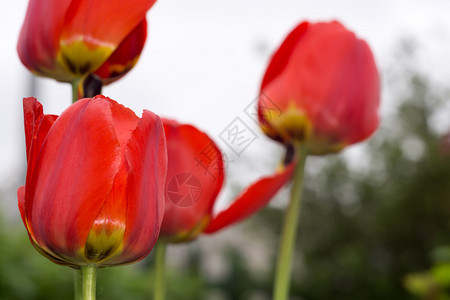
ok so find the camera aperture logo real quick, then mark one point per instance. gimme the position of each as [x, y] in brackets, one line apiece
[184, 189]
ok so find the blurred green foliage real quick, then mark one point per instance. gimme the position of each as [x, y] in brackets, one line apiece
[435, 283]
[373, 225]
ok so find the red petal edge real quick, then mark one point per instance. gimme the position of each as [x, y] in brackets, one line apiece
[281, 57]
[251, 200]
[190, 151]
[147, 161]
[21, 198]
[125, 56]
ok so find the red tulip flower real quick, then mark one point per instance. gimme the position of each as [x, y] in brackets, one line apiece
[321, 88]
[95, 182]
[68, 40]
[194, 179]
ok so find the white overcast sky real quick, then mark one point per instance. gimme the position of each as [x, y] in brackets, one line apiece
[204, 60]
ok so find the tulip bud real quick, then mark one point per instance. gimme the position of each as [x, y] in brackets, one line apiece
[95, 182]
[321, 88]
[68, 40]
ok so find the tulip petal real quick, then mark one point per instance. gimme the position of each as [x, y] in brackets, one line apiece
[334, 55]
[147, 166]
[38, 42]
[73, 176]
[36, 124]
[280, 59]
[125, 57]
[87, 43]
[32, 115]
[194, 179]
[118, 18]
[21, 200]
[360, 116]
[125, 121]
[53, 257]
[251, 200]
[106, 235]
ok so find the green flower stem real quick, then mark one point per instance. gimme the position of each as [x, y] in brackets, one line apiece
[88, 282]
[75, 85]
[289, 231]
[160, 257]
[88, 86]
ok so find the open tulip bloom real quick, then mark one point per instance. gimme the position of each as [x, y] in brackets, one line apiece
[94, 191]
[73, 41]
[320, 93]
[194, 179]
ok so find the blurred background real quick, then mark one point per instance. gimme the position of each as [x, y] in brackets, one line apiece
[375, 221]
